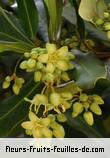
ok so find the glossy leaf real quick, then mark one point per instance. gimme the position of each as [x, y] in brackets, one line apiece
[10, 29]
[87, 9]
[14, 109]
[29, 16]
[54, 15]
[14, 46]
[88, 70]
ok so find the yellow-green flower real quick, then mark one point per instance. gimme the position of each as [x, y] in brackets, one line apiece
[37, 127]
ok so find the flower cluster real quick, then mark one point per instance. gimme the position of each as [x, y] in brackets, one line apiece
[50, 65]
[104, 23]
[17, 85]
[88, 104]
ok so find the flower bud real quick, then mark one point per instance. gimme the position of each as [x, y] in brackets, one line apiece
[27, 54]
[98, 99]
[62, 65]
[55, 99]
[23, 65]
[61, 118]
[8, 79]
[83, 97]
[37, 76]
[67, 95]
[43, 58]
[21, 80]
[34, 55]
[107, 26]
[31, 63]
[96, 109]
[51, 117]
[5, 84]
[39, 65]
[16, 89]
[106, 15]
[77, 108]
[88, 117]
[99, 21]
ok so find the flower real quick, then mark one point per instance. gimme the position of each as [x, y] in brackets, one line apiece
[42, 127]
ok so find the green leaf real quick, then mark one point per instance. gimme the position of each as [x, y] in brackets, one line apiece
[79, 124]
[14, 46]
[88, 70]
[29, 16]
[101, 7]
[80, 23]
[14, 109]
[70, 14]
[10, 29]
[87, 9]
[54, 10]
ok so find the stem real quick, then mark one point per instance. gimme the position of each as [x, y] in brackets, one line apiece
[15, 69]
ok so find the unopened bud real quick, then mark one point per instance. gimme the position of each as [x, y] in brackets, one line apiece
[107, 26]
[37, 76]
[88, 117]
[5, 84]
[31, 63]
[16, 89]
[96, 109]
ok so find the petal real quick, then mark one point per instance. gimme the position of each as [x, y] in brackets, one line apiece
[36, 133]
[63, 51]
[33, 117]
[46, 133]
[51, 48]
[27, 125]
[45, 121]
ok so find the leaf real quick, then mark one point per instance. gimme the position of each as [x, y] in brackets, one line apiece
[80, 23]
[14, 46]
[95, 33]
[54, 18]
[78, 123]
[101, 7]
[88, 70]
[70, 14]
[29, 16]
[87, 9]
[14, 109]
[10, 29]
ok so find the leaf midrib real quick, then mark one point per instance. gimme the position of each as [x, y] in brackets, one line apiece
[30, 26]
